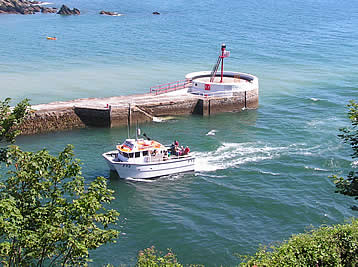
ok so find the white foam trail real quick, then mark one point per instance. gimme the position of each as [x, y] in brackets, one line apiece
[231, 155]
[316, 169]
[314, 99]
[139, 180]
[42, 4]
[212, 132]
[156, 119]
[270, 173]
[161, 119]
[211, 175]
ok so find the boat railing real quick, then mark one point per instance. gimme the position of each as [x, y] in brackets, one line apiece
[165, 158]
[179, 157]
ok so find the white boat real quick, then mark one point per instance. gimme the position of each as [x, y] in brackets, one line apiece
[143, 159]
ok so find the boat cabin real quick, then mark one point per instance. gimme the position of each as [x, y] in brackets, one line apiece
[141, 151]
[144, 151]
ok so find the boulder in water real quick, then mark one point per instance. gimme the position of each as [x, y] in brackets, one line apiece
[64, 10]
[108, 13]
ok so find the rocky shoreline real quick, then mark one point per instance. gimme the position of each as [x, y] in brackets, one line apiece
[24, 7]
[27, 7]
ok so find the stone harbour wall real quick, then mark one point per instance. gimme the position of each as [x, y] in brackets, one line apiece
[126, 110]
[51, 121]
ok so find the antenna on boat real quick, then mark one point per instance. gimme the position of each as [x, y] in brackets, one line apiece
[146, 136]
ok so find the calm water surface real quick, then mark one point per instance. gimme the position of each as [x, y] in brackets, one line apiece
[264, 174]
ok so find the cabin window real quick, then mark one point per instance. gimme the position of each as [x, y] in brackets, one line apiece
[137, 154]
[131, 155]
[125, 154]
[145, 153]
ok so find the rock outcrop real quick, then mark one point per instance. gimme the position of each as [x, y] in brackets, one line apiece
[23, 7]
[65, 10]
[46, 10]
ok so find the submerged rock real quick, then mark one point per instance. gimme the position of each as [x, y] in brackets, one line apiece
[109, 13]
[67, 11]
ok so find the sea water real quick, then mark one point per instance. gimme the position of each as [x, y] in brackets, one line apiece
[261, 175]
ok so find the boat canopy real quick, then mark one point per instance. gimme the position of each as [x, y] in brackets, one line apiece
[132, 145]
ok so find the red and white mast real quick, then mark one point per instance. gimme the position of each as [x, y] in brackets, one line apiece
[224, 54]
[223, 47]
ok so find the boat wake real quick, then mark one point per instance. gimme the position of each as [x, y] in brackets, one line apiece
[232, 155]
[139, 180]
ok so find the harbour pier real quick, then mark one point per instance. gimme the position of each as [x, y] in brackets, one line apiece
[126, 110]
[203, 93]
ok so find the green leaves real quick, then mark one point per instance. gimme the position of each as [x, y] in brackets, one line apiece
[10, 119]
[349, 186]
[48, 216]
[350, 134]
[326, 246]
[152, 257]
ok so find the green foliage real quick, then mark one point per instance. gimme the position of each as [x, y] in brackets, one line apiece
[349, 186]
[326, 246]
[154, 258]
[47, 214]
[10, 119]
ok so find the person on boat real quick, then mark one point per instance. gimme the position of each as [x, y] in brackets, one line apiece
[181, 151]
[165, 157]
[174, 148]
[186, 150]
[177, 151]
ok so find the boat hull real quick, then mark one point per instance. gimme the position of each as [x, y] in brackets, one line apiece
[151, 169]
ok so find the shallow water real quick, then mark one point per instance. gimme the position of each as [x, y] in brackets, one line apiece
[262, 174]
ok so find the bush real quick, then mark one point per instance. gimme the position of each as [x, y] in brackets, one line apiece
[326, 246]
[152, 257]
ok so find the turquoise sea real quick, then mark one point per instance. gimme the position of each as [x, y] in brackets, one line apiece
[264, 174]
